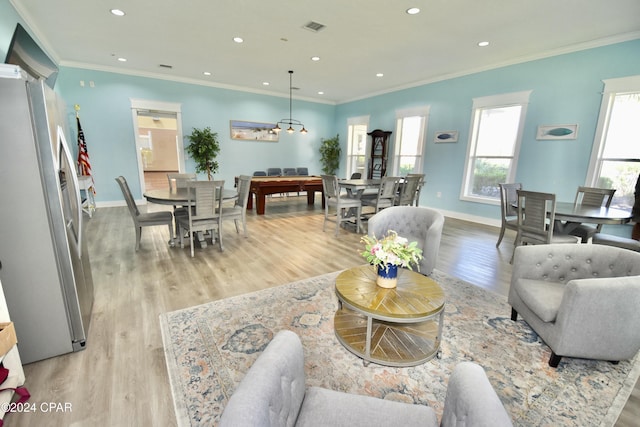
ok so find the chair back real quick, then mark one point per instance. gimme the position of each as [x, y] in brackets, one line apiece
[387, 192]
[207, 198]
[592, 196]
[289, 172]
[356, 175]
[536, 216]
[126, 192]
[244, 184]
[259, 173]
[179, 180]
[302, 171]
[274, 171]
[330, 186]
[409, 189]
[509, 197]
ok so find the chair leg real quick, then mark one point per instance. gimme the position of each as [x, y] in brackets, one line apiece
[501, 236]
[554, 360]
[338, 220]
[172, 241]
[191, 242]
[138, 236]
[326, 215]
[514, 315]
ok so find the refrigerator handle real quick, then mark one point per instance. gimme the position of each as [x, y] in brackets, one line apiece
[76, 186]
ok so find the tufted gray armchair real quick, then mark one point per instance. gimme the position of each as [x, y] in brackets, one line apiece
[420, 224]
[582, 300]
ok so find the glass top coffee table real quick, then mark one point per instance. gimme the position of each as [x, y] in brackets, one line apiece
[392, 327]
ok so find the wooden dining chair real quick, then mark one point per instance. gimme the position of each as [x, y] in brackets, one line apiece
[508, 213]
[347, 208]
[386, 195]
[238, 212]
[408, 190]
[536, 219]
[144, 219]
[591, 196]
[205, 197]
[176, 181]
[421, 183]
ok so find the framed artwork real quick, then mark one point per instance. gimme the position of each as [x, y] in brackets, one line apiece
[446, 136]
[253, 131]
[557, 132]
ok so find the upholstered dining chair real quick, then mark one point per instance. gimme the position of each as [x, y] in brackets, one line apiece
[289, 171]
[591, 196]
[356, 175]
[536, 219]
[302, 171]
[386, 195]
[238, 213]
[144, 219]
[205, 197]
[259, 173]
[274, 171]
[417, 224]
[509, 213]
[347, 208]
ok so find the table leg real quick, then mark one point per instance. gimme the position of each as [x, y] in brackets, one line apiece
[260, 202]
[367, 348]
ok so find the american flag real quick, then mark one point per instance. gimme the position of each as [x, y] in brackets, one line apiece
[84, 165]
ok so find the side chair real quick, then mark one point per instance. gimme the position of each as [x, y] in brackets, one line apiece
[591, 196]
[346, 207]
[421, 183]
[509, 214]
[176, 181]
[408, 190]
[386, 195]
[238, 213]
[205, 215]
[144, 219]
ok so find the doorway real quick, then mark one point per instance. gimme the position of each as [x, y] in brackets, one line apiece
[159, 146]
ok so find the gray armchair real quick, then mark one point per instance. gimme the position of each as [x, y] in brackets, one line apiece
[420, 224]
[582, 300]
[273, 393]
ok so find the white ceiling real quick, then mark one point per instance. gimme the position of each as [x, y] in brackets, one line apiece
[361, 38]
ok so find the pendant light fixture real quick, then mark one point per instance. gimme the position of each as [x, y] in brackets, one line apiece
[290, 121]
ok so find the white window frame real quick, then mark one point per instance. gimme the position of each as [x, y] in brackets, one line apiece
[423, 113]
[612, 87]
[488, 102]
[349, 154]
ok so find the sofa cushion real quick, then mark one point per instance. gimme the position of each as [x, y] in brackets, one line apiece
[542, 297]
[323, 407]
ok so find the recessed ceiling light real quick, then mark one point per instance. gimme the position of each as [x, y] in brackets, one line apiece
[483, 44]
[265, 83]
[379, 75]
[320, 93]
[206, 73]
[122, 59]
[117, 12]
[315, 58]
[413, 10]
[238, 39]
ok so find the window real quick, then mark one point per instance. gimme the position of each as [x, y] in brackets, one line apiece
[492, 154]
[357, 145]
[615, 159]
[409, 143]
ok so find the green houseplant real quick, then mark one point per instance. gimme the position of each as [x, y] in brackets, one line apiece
[204, 149]
[330, 151]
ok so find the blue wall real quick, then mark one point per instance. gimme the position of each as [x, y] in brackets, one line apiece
[565, 89]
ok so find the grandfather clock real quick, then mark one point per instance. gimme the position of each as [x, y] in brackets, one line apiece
[378, 155]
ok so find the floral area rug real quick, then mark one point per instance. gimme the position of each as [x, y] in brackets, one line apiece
[209, 348]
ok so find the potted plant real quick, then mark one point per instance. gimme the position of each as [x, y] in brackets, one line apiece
[389, 253]
[330, 151]
[204, 149]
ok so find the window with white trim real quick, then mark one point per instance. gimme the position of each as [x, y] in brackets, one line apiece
[497, 124]
[411, 127]
[357, 145]
[615, 158]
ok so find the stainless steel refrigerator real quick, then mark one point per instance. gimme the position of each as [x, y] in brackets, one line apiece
[44, 261]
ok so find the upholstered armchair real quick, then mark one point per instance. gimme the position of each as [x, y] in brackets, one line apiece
[582, 300]
[420, 224]
[273, 393]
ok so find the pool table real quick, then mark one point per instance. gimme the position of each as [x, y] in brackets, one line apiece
[263, 185]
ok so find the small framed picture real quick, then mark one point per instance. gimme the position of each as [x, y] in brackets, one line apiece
[557, 132]
[446, 136]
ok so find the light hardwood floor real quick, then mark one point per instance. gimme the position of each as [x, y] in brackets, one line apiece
[121, 379]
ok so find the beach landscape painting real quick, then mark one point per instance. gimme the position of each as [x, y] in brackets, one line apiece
[253, 131]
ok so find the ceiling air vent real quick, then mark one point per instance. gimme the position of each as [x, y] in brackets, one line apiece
[314, 26]
[166, 66]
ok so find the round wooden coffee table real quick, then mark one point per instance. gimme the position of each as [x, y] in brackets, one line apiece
[392, 327]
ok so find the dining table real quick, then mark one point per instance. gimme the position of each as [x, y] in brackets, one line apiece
[357, 187]
[569, 215]
[180, 197]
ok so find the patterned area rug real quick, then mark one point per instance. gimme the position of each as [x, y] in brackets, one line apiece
[208, 349]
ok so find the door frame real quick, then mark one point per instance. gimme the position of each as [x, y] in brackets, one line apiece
[159, 107]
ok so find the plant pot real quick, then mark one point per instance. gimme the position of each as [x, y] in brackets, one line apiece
[387, 276]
